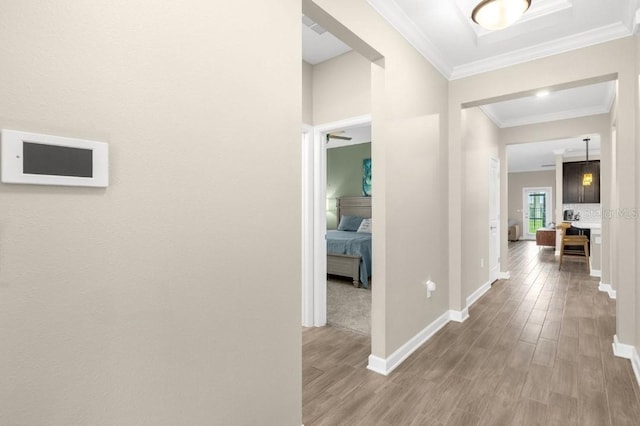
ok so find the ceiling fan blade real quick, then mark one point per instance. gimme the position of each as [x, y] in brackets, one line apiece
[344, 138]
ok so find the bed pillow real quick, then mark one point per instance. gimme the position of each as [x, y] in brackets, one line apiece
[365, 226]
[349, 223]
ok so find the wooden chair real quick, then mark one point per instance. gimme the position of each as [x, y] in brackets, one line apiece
[569, 241]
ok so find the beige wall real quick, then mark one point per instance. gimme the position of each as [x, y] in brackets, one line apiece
[409, 99]
[341, 88]
[134, 304]
[637, 195]
[615, 58]
[479, 144]
[307, 93]
[518, 181]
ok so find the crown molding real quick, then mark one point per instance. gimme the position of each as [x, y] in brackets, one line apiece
[563, 115]
[399, 20]
[544, 118]
[489, 113]
[554, 47]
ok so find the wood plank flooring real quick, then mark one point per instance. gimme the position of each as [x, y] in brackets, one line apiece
[536, 350]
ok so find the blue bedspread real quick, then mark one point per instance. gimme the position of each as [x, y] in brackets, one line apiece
[355, 243]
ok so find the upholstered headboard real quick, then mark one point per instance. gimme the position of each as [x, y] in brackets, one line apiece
[354, 206]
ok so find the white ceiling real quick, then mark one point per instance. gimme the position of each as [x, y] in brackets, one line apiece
[563, 104]
[358, 135]
[528, 157]
[444, 33]
[319, 45]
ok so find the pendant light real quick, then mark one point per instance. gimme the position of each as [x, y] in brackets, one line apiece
[498, 14]
[587, 176]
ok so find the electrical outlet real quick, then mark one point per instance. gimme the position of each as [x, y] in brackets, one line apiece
[482, 262]
[431, 287]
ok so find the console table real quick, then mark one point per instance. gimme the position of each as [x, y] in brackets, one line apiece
[546, 237]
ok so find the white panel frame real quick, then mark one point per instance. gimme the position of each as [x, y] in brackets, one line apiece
[12, 160]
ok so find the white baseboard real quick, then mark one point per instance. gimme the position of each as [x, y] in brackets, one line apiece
[629, 352]
[386, 366]
[505, 275]
[607, 289]
[459, 316]
[473, 297]
[596, 273]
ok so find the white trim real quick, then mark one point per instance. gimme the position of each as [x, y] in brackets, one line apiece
[395, 16]
[494, 184]
[629, 352]
[505, 275]
[318, 226]
[556, 253]
[319, 229]
[596, 273]
[554, 116]
[607, 288]
[473, 297]
[459, 316]
[342, 124]
[542, 50]
[307, 226]
[398, 19]
[386, 366]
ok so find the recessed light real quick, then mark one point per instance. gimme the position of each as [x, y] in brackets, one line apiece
[542, 93]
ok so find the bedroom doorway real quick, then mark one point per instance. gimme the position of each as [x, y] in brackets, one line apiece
[316, 206]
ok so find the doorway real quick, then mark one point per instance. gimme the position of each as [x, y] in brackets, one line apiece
[314, 249]
[494, 219]
[536, 210]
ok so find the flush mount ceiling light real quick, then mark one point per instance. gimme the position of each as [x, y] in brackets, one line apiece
[498, 14]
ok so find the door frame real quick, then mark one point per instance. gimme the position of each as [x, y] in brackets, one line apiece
[525, 208]
[314, 218]
[496, 185]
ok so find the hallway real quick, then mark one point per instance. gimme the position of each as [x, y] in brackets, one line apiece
[535, 350]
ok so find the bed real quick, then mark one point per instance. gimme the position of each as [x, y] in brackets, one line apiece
[349, 252]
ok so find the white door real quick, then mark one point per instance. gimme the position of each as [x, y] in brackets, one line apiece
[494, 220]
[536, 210]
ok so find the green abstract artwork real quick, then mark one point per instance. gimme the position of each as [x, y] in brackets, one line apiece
[366, 177]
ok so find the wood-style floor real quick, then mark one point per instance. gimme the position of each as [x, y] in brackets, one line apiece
[535, 350]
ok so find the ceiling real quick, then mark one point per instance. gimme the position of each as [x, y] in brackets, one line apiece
[537, 156]
[319, 45]
[443, 32]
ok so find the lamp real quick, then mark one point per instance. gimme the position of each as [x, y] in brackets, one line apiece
[498, 14]
[587, 176]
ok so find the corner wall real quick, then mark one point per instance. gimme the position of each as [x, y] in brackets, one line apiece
[409, 99]
[134, 304]
[307, 93]
[480, 140]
